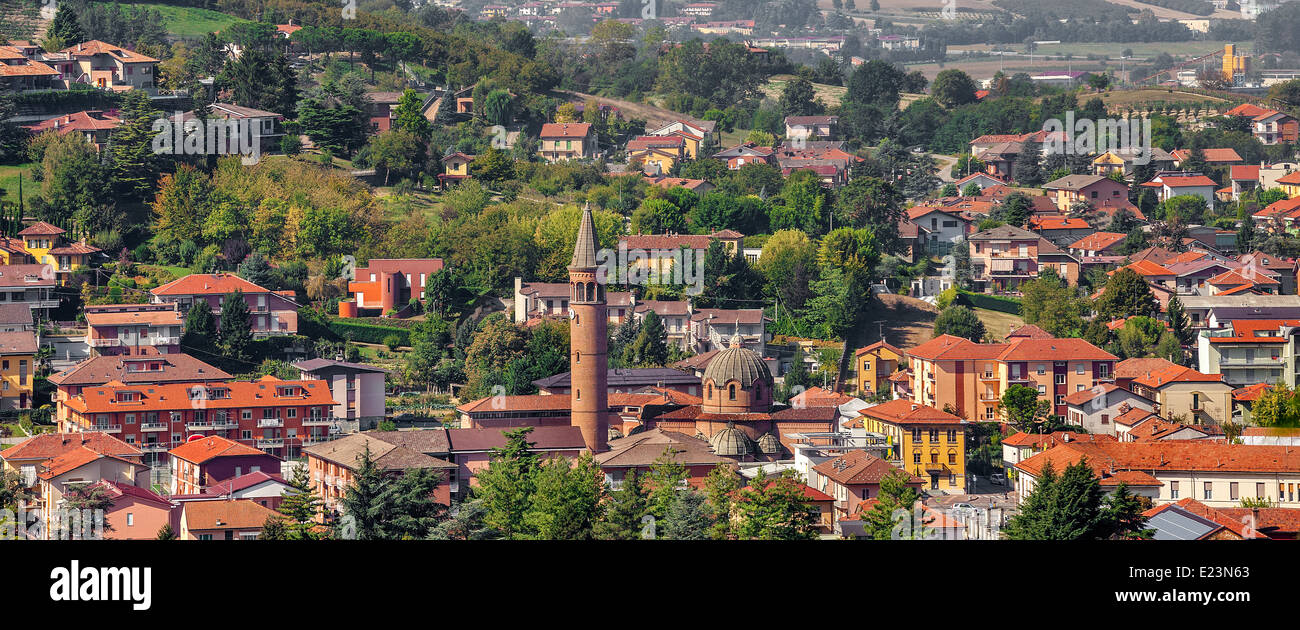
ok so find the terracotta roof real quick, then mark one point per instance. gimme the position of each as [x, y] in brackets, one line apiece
[1234, 278]
[75, 458]
[176, 396]
[642, 449]
[41, 228]
[96, 47]
[208, 284]
[819, 397]
[1186, 181]
[1133, 368]
[245, 481]
[134, 318]
[89, 120]
[1081, 397]
[21, 342]
[565, 130]
[1256, 331]
[1158, 429]
[1071, 349]
[901, 411]
[543, 438]
[1169, 455]
[228, 514]
[859, 467]
[1250, 392]
[1211, 155]
[1098, 241]
[666, 241]
[879, 344]
[212, 447]
[1176, 374]
[119, 489]
[1029, 331]
[950, 347]
[49, 445]
[1245, 172]
[1135, 417]
[178, 367]
[1148, 268]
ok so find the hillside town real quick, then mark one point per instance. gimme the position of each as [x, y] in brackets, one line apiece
[709, 271]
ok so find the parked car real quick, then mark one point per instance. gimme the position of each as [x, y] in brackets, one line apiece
[998, 478]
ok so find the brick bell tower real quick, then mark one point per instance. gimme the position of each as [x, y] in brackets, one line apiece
[588, 341]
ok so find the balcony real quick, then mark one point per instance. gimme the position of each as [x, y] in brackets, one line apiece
[224, 424]
[316, 421]
[1260, 361]
[103, 342]
[153, 426]
[989, 397]
[43, 304]
[162, 341]
[270, 423]
[154, 447]
[270, 442]
[106, 428]
[310, 440]
[198, 426]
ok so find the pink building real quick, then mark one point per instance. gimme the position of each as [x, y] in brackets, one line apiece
[134, 329]
[471, 448]
[269, 312]
[137, 513]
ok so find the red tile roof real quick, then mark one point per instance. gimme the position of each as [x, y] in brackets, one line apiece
[76, 458]
[208, 284]
[1169, 455]
[905, 412]
[225, 514]
[565, 130]
[1176, 374]
[1211, 155]
[211, 447]
[48, 445]
[179, 396]
[1098, 241]
[859, 467]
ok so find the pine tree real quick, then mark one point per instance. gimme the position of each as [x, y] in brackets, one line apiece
[166, 532]
[363, 509]
[1068, 507]
[567, 500]
[465, 524]
[275, 528]
[136, 167]
[667, 476]
[1123, 516]
[719, 487]
[1179, 324]
[1029, 172]
[411, 512]
[650, 348]
[689, 518]
[235, 333]
[199, 327]
[446, 110]
[65, 26]
[506, 486]
[622, 516]
[1245, 233]
[409, 116]
[300, 504]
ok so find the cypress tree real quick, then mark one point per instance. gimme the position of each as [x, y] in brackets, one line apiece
[236, 334]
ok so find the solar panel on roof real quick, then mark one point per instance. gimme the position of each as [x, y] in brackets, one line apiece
[1176, 524]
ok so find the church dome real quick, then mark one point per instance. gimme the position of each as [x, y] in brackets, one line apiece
[737, 364]
[731, 442]
[768, 444]
[614, 433]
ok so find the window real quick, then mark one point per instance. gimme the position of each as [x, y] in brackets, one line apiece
[1078, 368]
[989, 413]
[1259, 490]
[1196, 402]
[1042, 369]
[1173, 489]
[952, 457]
[731, 391]
[130, 519]
[952, 435]
[1042, 390]
[1078, 388]
[1209, 491]
[934, 457]
[916, 457]
[1060, 379]
[916, 435]
[1060, 399]
[1232, 491]
[934, 435]
[1105, 418]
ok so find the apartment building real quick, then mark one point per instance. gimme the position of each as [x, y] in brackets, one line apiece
[200, 464]
[1217, 310]
[567, 141]
[1096, 408]
[270, 414]
[29, 285]
[875, 364]
[971, 377]
[17, 368]
[1203, 399]
[1250, 351]
[1005, 256]
[927, 442]
[134, 329]
[105, 66]
[270, 313]
[332, 465]
[358, 388]
[1216, 473]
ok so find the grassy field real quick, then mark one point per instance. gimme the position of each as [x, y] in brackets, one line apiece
[830, 95]
[190, 22]
[997, 323]
[1125, 98]
[9, 182]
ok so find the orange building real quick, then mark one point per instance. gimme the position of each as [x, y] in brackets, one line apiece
[953, 372]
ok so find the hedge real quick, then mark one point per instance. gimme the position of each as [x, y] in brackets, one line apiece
[368, 333]
[991, 302]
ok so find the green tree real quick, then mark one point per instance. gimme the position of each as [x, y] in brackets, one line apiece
[1179, 324]
[953, 88]
[1050, 304]
[959, 321]
[1072, 506]
[1022, 407]
[623, 511]
[650, 348]
[1028, 169]
[720, 487]
[566, 502]
[235, 334]
[467, 524]
[91, 497]
[895, 499]
[136, 166]
[395, 150]
[410, 512]
[200, 330]
[65, 26]
[1122, 516]
[506, 486]
[666, 479]
[166, 532]
[689, 518]
[775, 508]
[363, 508]
[301, 505]
[409, 117]
[1126, 295]
[798, 98]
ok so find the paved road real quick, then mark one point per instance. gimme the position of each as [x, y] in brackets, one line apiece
[946, 163]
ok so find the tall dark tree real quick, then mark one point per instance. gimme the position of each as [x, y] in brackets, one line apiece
[235, 332]
[65, 26]
[364, 512]
[1179, 324]
[650, 348]
[959, 321]
[409, 507]
[1126, 295]
[1027, 166]
[200, 329]
[893, 514]
[506, 486]
[623, 512]
[688, 518]
[300, 505]
[136, 167]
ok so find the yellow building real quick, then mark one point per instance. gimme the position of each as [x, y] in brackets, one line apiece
[455, 167]
[875, 364]
[46, 245]
[17, 362]
[1107, 163]
[925, 441]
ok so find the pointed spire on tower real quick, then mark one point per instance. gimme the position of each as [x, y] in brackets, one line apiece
[584, 251]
